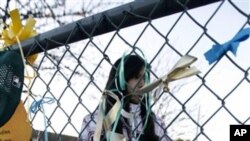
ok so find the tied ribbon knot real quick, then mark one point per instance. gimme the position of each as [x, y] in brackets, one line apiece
[217, 51]
[16, 32]
[36, 105]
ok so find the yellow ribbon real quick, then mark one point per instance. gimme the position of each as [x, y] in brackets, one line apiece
[109, 119]
[16, 31]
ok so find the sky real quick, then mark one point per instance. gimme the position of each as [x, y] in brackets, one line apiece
[222, 79]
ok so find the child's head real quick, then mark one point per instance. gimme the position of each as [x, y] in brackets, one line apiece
[133, 75]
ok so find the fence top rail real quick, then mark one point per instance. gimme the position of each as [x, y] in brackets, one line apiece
[101, 23]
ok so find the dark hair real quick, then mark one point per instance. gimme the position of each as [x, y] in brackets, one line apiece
[132, 66]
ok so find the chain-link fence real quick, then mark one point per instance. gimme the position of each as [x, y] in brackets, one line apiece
[75, 71]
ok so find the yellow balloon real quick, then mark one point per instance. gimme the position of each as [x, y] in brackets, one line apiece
[18, 128]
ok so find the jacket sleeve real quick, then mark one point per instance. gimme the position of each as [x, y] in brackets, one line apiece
[88, 128]
[159, 130]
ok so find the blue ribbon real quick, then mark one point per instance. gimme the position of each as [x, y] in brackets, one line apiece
[36, 105]
[217, 51]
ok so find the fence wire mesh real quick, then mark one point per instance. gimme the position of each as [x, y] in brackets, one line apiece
[75, 70]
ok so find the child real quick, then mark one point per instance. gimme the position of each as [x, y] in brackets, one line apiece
[128, 74]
